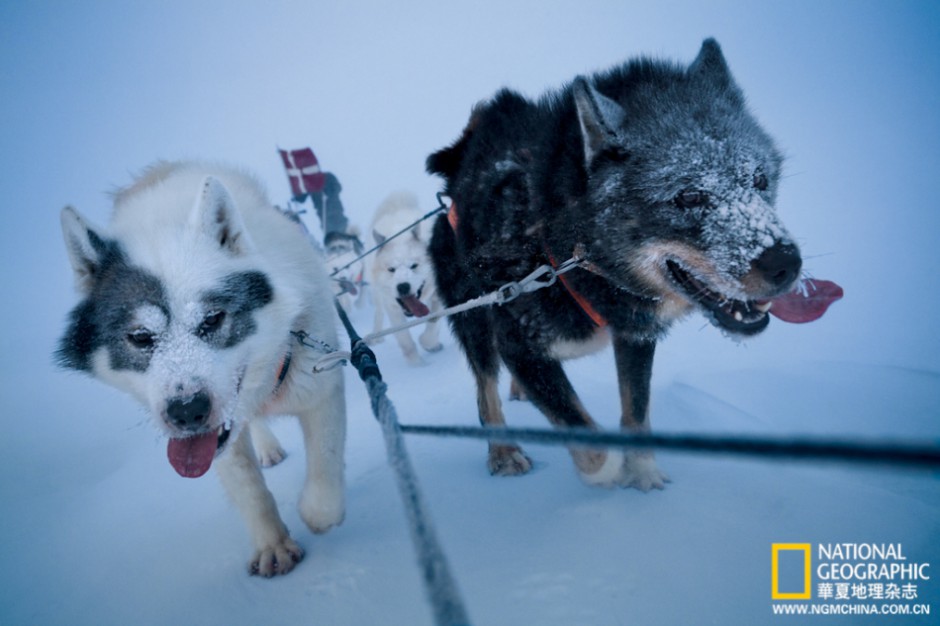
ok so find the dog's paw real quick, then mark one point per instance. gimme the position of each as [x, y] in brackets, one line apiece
[270, 456]
[276, 559]
[640, 472]
[322, 509]
[607, 474]
[631, 469]
[508, 461]
[267, 448]
[434, 347]
[430, 343]
[415, 360]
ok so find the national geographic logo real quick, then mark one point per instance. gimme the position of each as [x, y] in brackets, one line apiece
[795, 560]
[845, 571]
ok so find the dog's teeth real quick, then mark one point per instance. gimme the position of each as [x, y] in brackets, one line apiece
[738, 316]
[763, 307]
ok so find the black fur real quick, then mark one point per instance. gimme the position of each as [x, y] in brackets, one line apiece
[239, 296]
[102, 318]
[613, 165]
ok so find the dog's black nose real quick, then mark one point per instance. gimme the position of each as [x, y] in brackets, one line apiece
[780, 264]
[404, 289]
[189, 413]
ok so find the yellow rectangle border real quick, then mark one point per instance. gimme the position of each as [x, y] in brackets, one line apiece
[775, 549]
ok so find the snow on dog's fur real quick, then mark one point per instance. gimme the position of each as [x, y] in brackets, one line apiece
[402, 280]
[188, 301]
[660, 180]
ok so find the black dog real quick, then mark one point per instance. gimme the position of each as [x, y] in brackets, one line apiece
[659, 179]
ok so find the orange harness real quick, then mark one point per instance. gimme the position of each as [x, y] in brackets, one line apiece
[586, 306]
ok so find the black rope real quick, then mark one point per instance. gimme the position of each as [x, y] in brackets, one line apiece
[363, 358]
[910, 455]
[439, 583]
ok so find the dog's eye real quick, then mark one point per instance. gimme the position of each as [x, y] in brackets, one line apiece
[414, 266]
[691, 198]
[392, 270]
[211, 322]
[760, 181]
[141, 338]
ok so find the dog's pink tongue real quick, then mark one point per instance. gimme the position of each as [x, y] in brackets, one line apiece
[807, 302]
[415, 306]
[191, 457]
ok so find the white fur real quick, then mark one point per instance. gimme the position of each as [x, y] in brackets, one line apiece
[632, 468]
[190, 225]
[403, 260]
[565, 350]
[608, 473]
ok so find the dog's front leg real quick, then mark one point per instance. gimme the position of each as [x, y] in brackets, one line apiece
[267, 448]
[275, 551]
[634, 370]
[545, 383]
[408, 346]
[430, 338]
[474, 332]
[322, 502]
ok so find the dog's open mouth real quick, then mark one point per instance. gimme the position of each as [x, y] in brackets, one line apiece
[412, 306]
[192, 456]
[745, 317]
[806, 302]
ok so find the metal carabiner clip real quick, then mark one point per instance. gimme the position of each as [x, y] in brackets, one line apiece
[508, 292]
[534, 281]
[331, 361]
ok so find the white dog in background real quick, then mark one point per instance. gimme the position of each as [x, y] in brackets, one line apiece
[189, 302]
[402, 279]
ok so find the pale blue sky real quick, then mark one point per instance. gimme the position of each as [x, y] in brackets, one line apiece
[93, 91]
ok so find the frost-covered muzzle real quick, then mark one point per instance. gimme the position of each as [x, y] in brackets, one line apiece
[196, 436]
[196, 402]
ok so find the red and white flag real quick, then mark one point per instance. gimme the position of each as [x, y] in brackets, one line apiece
[303, 172]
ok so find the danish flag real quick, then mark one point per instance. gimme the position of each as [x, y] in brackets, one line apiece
[303, 172]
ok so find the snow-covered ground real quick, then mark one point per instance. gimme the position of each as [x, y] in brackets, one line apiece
[96, 528]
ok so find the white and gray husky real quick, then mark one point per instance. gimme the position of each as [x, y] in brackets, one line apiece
[402, 279]
[189, 301]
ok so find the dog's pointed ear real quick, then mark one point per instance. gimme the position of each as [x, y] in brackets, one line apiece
[85, 248]
[379, 237]
[710, 63]
[216, 216]
[599, 116]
